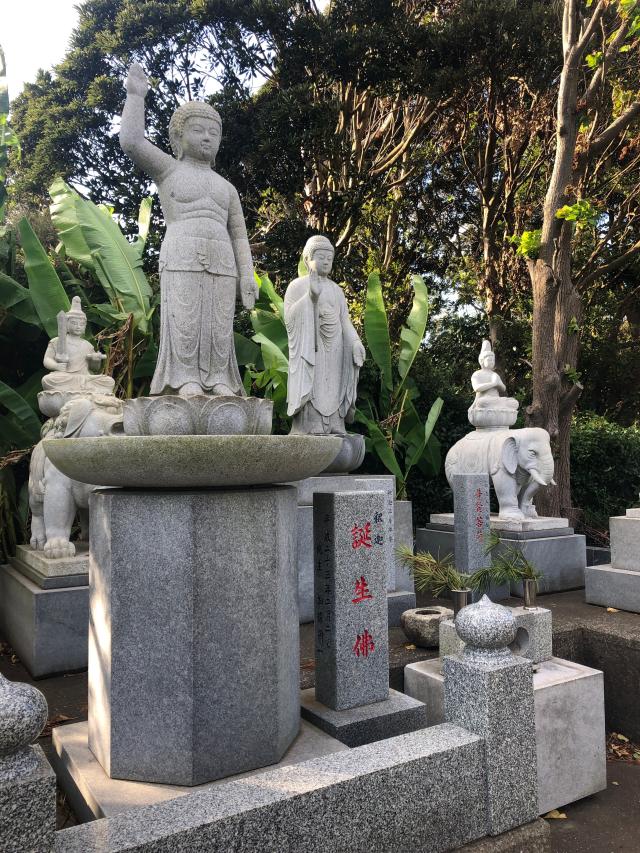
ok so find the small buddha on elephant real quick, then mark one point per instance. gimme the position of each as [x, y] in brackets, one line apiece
[489, 410]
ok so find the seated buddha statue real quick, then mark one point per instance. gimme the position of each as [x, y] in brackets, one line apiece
[489, 409]
[70, 358]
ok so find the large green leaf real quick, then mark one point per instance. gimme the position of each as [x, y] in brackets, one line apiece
[379, 444]
[272, 355]
[376, 328]
[144, 223]
[23, 423]
[271, 326]
[432, 417]
[92, 237]
[47, 293]
[247, 352]
[303, 269]
[270, 294]
[17, 300]
[412, 335]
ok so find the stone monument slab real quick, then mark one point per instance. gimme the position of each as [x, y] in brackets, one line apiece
[471, 528]
[351, 634]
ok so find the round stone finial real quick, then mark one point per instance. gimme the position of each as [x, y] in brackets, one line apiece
[487, 629]
[23, 714]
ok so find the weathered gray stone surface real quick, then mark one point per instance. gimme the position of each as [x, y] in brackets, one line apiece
[471, 529]
[421, 625]
[569, 724]
[534, 837]
[533, 633]
[200, 414]
[47, 627]
[431, 781]
[50, 573]
[625, 542]
[570, 733]
[397, 603]
[351, 631]
[449, 642]
[489, 691]
[526, 525]
[403, 535]
[186, 461]
[28, 808]
[560, 556]
[325, 352]
[611, 587]
[93, 794]
[217, 694]
[367, 723]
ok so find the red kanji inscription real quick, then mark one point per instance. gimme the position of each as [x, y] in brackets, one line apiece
[361, 591]
[364, 645]
[361, 536]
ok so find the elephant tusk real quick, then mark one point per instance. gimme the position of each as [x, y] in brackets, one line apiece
[553, 482]
[535, 475]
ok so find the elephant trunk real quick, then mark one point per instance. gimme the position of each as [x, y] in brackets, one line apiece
[543, 473]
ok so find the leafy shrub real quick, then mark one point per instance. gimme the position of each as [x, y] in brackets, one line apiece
[605, 469]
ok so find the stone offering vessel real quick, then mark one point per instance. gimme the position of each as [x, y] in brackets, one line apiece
[519, 461]
[325, 355]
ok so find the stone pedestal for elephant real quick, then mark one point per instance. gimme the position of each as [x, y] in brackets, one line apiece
[617, 584]
[398, 529]
[193, 639]
[549, 543]
[46, 623]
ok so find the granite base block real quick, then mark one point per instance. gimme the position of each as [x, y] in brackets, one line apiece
[569, 723]
[560, 554]
[533, 633]
[397, 603]
[53, 573]
[368, 723]
[28, 810]
[93, 794]
[419, 791]
[449, 641]
[47, 627]
[534, 837]
[624, 534]
[194, 636]
[609, 587]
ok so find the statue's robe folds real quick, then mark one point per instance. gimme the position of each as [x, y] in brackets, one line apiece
[323, 378]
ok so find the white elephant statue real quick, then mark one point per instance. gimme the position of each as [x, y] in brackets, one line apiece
[54, 498]
[519, 462]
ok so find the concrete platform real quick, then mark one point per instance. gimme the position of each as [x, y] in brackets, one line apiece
[559, 553]
[94, 795]
[367, 723]
[500, 524]
[570, 727]
[48, 628]
[53, 573]
[612, 587]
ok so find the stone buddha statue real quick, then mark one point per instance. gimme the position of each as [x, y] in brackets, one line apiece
[71, 358]
[490, 410]
[205, 259]
[325, 352]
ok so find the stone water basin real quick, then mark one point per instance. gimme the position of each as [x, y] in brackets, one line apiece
[187, 461]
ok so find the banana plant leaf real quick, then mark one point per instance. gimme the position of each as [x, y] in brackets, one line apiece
[269, 295]
[144, 223]
[414, 455]
[379, 445]
[376, 329]
[92, 237]
[47, 293]
[269, 325]
[16, 299]
[21, 427]
[412, 335]
[247, 352]
[146, 364]
[272, 355]
[430, 462]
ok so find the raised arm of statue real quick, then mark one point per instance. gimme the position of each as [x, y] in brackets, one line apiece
[133, 141]
[241, 249]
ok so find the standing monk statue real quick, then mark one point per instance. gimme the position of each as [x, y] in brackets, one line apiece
[205, 259]
[325, 352]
